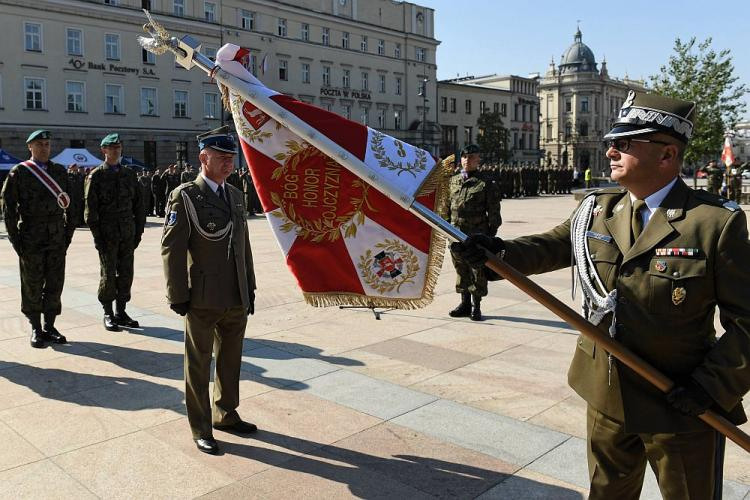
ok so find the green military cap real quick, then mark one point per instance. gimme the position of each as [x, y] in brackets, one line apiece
[38, 134]
[643, 113]
[111, 140]
[219, 139]
[470, 149]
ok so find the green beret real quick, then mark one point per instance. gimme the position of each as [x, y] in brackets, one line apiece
[111, 140]
[643, 113]
[38, 134]
[470, 149]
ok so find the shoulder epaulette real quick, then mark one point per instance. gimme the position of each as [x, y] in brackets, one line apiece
[716, 200]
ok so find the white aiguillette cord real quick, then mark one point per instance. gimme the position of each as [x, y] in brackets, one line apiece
[218, 235]
[594, 305]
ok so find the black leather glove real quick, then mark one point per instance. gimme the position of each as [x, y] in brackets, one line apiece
[182, 308]
[689, 398]
[472, 250]
[251, 307]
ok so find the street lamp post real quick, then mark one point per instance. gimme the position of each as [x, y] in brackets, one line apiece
[423, 94]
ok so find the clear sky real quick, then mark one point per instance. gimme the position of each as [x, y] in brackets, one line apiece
[519, 37]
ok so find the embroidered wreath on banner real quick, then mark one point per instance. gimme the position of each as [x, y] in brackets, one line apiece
[316, 230]
[378, 150]
[377, 270]
[248, 133]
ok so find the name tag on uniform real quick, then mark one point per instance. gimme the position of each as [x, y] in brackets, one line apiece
[599, 236]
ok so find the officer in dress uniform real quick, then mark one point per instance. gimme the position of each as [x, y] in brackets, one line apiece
[38, 214]
[208, 266]
[655, 258]
[472, 205]
[170, 179]
[116, 216]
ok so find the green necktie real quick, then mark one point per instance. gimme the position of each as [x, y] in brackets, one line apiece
[636, 221]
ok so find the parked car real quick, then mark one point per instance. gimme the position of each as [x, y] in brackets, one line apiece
[746, 174]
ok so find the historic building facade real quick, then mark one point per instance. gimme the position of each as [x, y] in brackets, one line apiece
[463, 100]
[578, 102]
[75, 67]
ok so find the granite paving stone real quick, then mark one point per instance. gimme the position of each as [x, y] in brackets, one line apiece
[367, 395]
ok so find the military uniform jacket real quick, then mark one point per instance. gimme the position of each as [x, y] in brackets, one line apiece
[207, 272]
[473, 205]
[31, 213]
[114, 203]
[692, 256]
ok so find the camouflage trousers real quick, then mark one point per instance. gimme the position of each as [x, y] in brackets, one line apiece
[42, 279]
[468, 279]
[116, 271]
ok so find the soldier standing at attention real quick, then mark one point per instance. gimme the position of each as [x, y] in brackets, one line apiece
[116, 217]
[144, 181]
[473, 206]
[171, 179]
[75, 184]
[38, 217]
[157, 190]
[208, 266]
[655, 259]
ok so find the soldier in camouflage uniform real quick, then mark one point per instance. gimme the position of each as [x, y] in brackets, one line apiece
[157, 190]
[714, 176]
[734, 181]
[75, 184]
[188, 174]
[116, 217]
[473, 206]
[144, 181]
[40, 227]
[170, 179]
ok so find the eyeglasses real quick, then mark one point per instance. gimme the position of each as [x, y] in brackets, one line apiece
[623, 145]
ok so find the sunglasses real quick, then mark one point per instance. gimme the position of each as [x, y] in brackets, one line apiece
[623, 145]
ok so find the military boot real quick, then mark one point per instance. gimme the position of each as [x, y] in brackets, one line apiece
[50, 332]
[109, 318]
[464, 308]
[37, 334]
[476, 312]
[122, 318]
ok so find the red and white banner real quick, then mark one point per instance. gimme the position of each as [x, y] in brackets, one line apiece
[727, 154]
[344, 241]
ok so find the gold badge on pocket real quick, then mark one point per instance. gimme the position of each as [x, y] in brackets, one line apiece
[678, 295]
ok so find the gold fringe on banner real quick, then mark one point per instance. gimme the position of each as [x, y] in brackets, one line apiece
[436, 181]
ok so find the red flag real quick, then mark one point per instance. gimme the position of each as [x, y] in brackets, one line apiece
[727, 154]
[344, 241]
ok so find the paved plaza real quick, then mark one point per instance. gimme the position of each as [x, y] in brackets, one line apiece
[414, 405]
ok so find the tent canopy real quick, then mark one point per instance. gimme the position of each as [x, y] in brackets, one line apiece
[80, 156]
[7, 160]
[132, 162]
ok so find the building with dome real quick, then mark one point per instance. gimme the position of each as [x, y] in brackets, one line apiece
[578, 101]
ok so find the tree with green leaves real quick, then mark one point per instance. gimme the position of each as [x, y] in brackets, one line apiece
[493, 137]
[696, 72]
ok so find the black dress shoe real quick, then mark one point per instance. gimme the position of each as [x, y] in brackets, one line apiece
[207, 445]
[123, 319]
[51, 334]
[110, 324]
[240, 427]
[37, 338]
